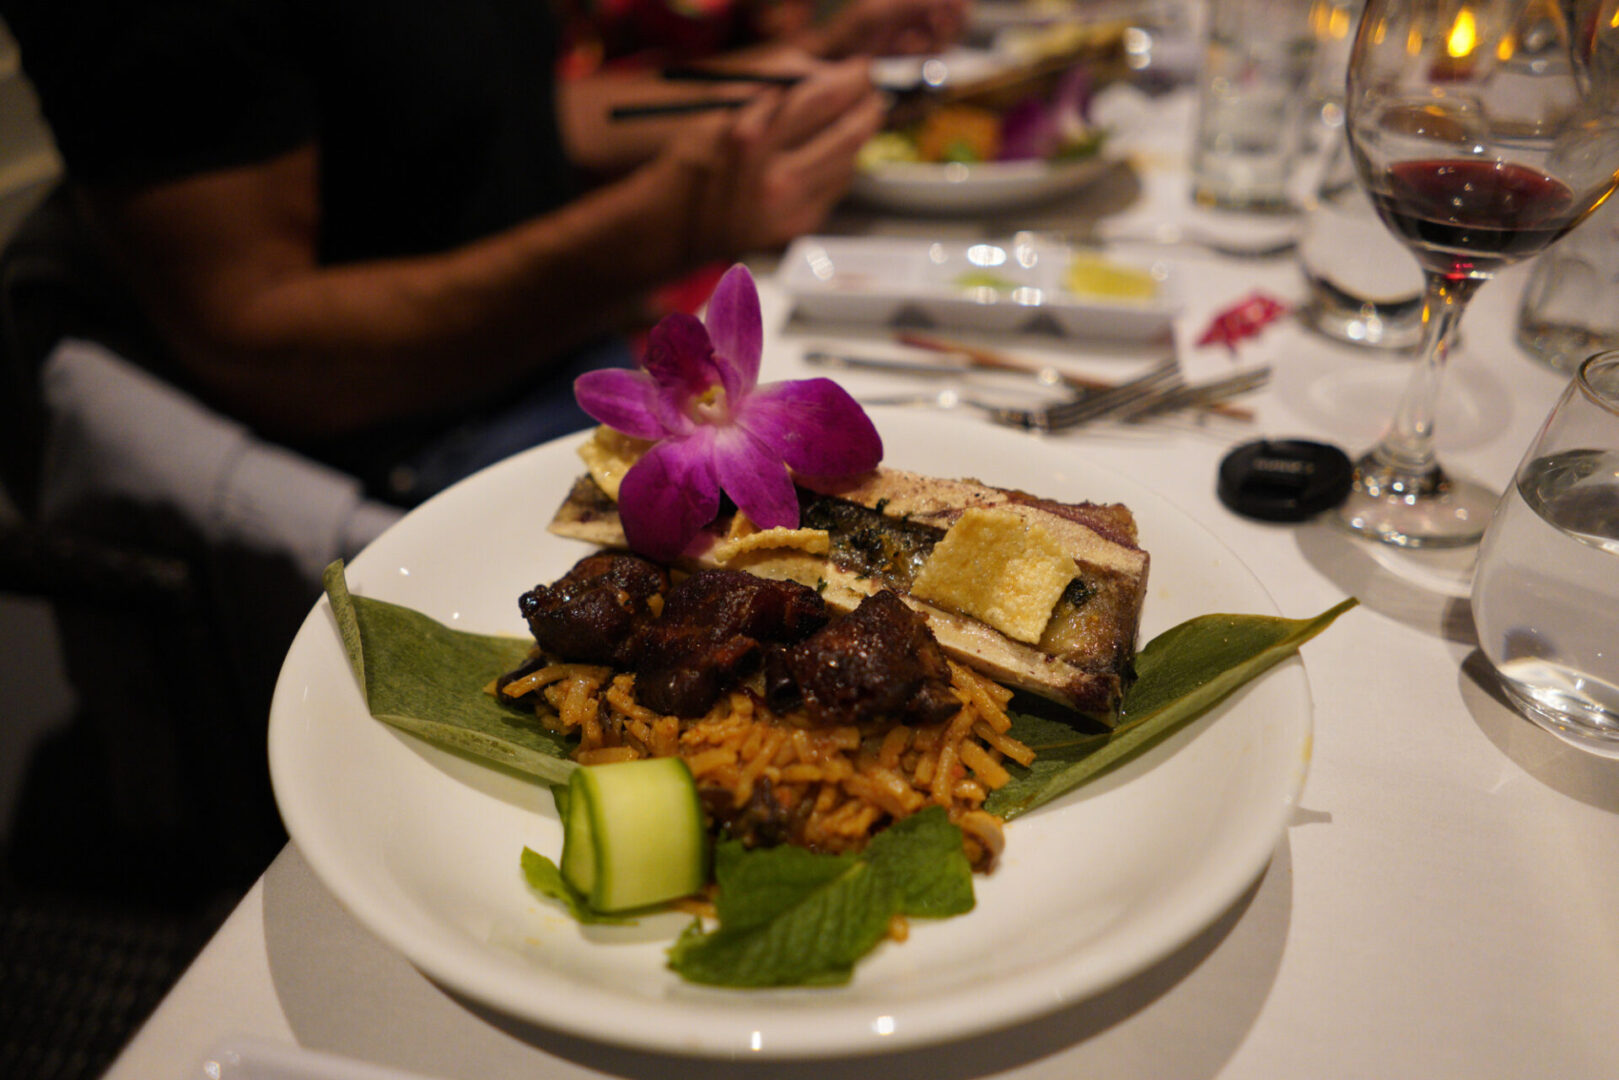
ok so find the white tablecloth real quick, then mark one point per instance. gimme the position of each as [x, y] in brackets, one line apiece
[1442, 905]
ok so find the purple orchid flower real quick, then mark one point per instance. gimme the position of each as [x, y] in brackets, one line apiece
[716, 430]
[1035, 129]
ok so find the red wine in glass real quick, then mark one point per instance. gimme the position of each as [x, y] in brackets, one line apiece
[1466, 218]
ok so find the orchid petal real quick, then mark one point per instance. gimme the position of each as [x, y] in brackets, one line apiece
[715, 430]
[737, 330]
[680, 357]
[669, 495]
[753, 475]
[1028, 131]
[1072, 101]
[627, 401]
[814, 426]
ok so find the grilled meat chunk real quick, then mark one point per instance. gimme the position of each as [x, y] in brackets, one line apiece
[733, 602]
[588, 613]
[713, 630]
[879, 662]
[681, 669]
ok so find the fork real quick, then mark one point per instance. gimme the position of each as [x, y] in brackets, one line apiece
[1085, 405]
[1199, 395]
[1091, 405]
[1157, 392]
[1179, 395]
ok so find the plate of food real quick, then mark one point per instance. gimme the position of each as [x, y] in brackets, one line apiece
[996, 285]
[1020, 137]
[422, 845]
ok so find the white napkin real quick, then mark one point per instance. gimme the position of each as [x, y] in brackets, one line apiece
[122, 439]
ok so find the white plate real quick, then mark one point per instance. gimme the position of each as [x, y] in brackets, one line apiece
[987, 187]
[423, 847]
[889, 279]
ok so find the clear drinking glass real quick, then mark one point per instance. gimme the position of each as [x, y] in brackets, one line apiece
[1483, 130]
[1253, 90]
[1570, 306]
[1360, 287]
[1546, 590]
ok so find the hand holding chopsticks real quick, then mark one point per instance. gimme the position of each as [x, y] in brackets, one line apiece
[766, 175]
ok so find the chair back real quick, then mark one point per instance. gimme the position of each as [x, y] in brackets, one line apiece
[53, 284]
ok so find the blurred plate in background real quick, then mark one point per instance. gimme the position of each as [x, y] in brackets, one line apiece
[952, 187]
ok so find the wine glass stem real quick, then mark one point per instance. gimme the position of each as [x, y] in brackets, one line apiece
[1407, 445]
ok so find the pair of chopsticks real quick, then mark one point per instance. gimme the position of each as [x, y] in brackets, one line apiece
[698, 105]
[908, 106]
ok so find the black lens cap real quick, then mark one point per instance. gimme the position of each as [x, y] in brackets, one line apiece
[1284, 479]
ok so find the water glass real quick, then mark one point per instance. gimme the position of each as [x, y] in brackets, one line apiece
[1252, 96]
[1362, 285]
[1570, 305]
[1332, 25]
[1546, 590]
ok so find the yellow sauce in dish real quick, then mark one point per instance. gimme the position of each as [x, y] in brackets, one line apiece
[1092, 275]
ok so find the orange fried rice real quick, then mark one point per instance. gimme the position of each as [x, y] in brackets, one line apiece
[833, 787]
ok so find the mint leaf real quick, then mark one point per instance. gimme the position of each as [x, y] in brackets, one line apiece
[923, 859]
[790, 917]
[812, 940]
[761, 885]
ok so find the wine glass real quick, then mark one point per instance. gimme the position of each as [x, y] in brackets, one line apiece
[1483, 130]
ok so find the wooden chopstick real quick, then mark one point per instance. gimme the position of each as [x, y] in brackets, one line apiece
[989, 358]
[999, 361]
[713, 75]
[674, 108]
[697, 105]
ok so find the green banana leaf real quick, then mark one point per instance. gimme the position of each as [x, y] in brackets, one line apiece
[428, 679]
[1180, 674]
[425, 678]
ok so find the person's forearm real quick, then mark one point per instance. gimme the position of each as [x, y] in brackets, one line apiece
[338, 349]
[226, 264]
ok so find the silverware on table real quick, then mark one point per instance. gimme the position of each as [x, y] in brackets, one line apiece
[961, 365]
[1198, 395]
[1160, 390]
[1094, 404]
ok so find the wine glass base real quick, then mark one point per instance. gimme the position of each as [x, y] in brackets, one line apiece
[1429, 509]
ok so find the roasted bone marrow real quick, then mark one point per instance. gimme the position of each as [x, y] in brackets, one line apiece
[1043, 596]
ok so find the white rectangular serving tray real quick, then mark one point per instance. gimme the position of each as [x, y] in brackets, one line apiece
[888, 280]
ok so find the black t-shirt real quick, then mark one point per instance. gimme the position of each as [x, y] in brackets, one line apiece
[435, 121]
[435, 118]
